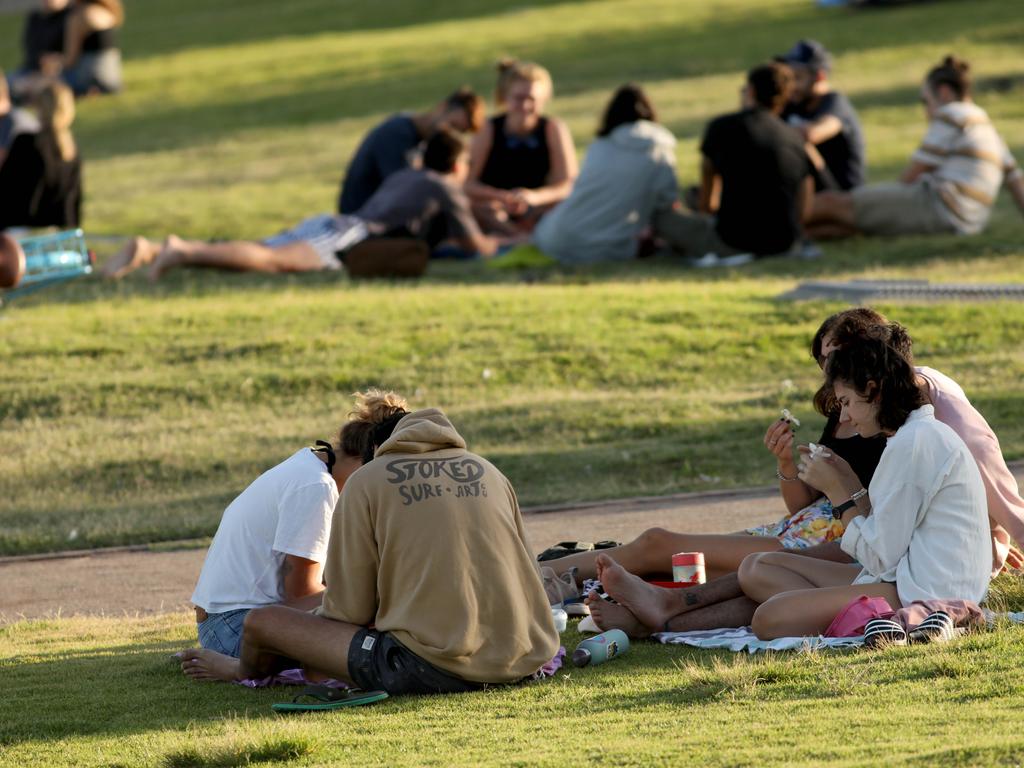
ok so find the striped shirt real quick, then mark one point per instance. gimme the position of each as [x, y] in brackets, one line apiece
[970, 162]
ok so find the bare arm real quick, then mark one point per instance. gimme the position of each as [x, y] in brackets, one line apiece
[564, 167]
[303, 579]
[821, 130]
[795, 492]
[915, 170]
[82, 22]
[1015, 184]
[805, 198]
[710, 186]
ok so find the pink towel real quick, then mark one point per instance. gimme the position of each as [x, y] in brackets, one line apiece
[850, 621]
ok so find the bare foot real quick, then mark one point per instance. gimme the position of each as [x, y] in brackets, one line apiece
[172, 254]
[611, 616]
[136, 252]
[651, 605]
[204, 664]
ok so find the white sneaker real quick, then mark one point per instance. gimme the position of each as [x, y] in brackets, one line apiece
[714, 260]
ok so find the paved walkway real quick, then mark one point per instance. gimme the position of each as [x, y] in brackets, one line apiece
[135, 583]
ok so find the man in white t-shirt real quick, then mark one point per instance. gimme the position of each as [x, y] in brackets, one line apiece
[270, 546]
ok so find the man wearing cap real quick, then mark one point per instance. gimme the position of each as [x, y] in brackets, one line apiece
[825, 119]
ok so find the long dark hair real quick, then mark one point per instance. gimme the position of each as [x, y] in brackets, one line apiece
[879, 372]
[629, 104]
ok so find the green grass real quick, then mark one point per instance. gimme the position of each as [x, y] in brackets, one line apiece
[101, 692]
[131, 413]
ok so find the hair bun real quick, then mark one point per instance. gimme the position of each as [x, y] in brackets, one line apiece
[375, 406]
[505, 64]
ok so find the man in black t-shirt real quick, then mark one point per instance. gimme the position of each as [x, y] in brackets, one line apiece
[824, 118]
[755, 181]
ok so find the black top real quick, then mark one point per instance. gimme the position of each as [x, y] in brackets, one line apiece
[843, 153]
[861, 453]
[34, 193]
[386, 149]
[100, 40]
[44, 33]
[517, 161]
[762, 163]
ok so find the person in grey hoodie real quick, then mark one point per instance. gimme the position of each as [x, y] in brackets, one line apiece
[628, 176]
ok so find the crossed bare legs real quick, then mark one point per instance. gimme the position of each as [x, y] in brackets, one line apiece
[273, 636]
[644, 608]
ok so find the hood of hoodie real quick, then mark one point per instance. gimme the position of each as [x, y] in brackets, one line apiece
[422, 432]
[644, 136]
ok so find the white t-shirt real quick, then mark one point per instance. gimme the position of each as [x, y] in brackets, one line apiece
[928, 530]
[286, 511]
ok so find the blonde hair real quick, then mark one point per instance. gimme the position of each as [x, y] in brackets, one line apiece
[514, 70]
[373, 408]
[56, 106]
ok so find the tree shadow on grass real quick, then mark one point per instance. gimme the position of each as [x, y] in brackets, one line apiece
[580, 63]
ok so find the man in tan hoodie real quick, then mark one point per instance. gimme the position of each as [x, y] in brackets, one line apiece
[430, 584]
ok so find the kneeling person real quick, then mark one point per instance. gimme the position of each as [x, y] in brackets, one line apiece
[428, 548]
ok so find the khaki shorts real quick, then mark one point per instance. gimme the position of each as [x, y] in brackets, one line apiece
[690, 234]
[900, 209]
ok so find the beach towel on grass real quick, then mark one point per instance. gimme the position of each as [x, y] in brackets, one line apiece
[743, 639]
[298, 677]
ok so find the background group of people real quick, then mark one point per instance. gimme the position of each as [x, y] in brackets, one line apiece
[786, 169]
[70, 50]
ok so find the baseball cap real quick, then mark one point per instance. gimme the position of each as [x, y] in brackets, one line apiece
[809, 53]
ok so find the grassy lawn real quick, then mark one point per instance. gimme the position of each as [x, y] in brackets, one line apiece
[134, 413]
[101, 692]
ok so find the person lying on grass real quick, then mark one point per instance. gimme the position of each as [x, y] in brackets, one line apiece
[721, 602]
[271, 543]
[430, 585]
[425, 203]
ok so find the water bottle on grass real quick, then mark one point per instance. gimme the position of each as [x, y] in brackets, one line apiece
[600, 648]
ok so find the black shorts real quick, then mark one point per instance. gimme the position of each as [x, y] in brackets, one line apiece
[378, 662]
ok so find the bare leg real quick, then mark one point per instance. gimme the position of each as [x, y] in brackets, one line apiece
[832, 208]
[204, 664]
[611, 616]
[828, 231]
[737, 612]
[765, 575]
[810, 611]
[278, 632]
[651, 553]
[136, 252]
[238, 255]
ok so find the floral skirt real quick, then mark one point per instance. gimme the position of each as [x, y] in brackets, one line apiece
[811, 525]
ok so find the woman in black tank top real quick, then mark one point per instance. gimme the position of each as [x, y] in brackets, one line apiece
[521, 163]
[92, 59]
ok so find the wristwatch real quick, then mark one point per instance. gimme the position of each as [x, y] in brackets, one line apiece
[837, 512]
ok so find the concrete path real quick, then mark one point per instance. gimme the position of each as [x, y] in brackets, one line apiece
[122, 583]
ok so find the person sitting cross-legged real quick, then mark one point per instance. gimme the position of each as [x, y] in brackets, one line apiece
[271, 543]
[951, 182]
[430, 584]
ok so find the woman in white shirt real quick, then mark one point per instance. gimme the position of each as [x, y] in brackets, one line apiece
[919, 532]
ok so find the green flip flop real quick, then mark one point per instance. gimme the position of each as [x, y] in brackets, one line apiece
[319, 698]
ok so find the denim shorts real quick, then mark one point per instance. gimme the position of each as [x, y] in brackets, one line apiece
[222, 632]
[377, 661]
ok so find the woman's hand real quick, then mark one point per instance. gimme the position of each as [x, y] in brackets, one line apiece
[829, 473]
[779, 440]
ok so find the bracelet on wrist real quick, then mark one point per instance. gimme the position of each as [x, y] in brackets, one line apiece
[783, 478]
[837, 511]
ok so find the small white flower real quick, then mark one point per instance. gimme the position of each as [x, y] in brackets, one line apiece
[72, 534]
[487, 373]
[787, 416]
